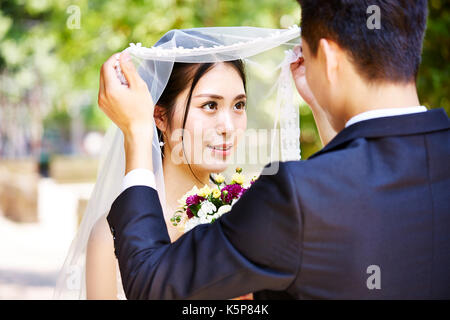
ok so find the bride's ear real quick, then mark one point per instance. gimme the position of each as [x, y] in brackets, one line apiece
[160, 118]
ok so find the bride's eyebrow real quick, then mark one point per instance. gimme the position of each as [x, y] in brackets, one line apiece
[208, 95]
[215, 96]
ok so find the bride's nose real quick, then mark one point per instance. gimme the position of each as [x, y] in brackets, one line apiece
[225, 124]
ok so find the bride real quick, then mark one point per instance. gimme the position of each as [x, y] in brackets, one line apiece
[208, 102]
[203, 101]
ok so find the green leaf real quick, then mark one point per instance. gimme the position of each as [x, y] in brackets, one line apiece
[194, 209]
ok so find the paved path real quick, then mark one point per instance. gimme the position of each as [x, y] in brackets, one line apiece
[31, 254]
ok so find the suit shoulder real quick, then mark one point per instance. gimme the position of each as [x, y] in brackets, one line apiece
[304, 167]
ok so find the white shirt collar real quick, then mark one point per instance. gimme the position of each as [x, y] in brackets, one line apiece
[379, 113]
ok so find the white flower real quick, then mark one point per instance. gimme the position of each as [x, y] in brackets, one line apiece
[207, 208]
[234, 201]
[201, 213]
[205, 215]
[207, 219]
[191, 224]
[223, 209]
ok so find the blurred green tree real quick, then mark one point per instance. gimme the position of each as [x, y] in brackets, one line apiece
[434, 74]
[51, 52]
[56, 47]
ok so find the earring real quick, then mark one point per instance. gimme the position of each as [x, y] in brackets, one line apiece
[161, 143]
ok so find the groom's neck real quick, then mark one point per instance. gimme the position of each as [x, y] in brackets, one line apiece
[366, 97]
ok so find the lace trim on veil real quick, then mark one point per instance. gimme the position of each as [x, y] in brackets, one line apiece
[147, 53]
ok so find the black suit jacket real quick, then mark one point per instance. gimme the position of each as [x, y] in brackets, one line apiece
[377, 196]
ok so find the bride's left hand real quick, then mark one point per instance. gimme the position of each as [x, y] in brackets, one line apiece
[129, 107]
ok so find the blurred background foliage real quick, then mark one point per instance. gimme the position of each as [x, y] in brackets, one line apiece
[434, 74]
[50, 61]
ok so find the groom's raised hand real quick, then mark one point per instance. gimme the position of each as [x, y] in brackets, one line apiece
[324, 127]
[130, 107]
[299, 74]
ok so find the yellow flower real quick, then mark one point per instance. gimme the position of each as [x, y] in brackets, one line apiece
[204, 192]
[219, 178]
[216, 193]
[238, 178]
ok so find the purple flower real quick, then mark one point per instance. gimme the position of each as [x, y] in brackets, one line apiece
[195, 199]
[189, 213]
[235, 191]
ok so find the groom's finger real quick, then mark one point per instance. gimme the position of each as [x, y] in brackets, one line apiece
[108, 73]
[298, 63]
[298, 50]
[101, 90]
[128, 69]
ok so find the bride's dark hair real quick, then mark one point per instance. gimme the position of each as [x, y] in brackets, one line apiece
[182, 76]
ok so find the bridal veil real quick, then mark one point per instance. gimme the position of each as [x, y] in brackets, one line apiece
[273, 132]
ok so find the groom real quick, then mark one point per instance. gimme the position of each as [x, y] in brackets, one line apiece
[367, 217]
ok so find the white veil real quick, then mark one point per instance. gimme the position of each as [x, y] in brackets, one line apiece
[271, 104]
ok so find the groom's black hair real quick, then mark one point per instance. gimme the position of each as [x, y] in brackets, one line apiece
[391, 53]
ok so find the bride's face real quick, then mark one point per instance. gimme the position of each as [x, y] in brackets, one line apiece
[216, 120]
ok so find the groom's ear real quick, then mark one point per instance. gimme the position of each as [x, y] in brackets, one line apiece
[330, 54]
[160, 118]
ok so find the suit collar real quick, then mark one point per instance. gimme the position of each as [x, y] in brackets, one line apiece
[432, 120]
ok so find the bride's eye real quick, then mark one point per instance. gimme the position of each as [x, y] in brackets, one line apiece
[240, 105]
[210, 106]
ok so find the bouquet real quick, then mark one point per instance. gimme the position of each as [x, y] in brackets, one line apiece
[207, 204]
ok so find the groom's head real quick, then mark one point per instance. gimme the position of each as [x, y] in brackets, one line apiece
[370, 41]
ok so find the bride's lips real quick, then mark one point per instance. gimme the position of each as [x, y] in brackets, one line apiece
[221, 149]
